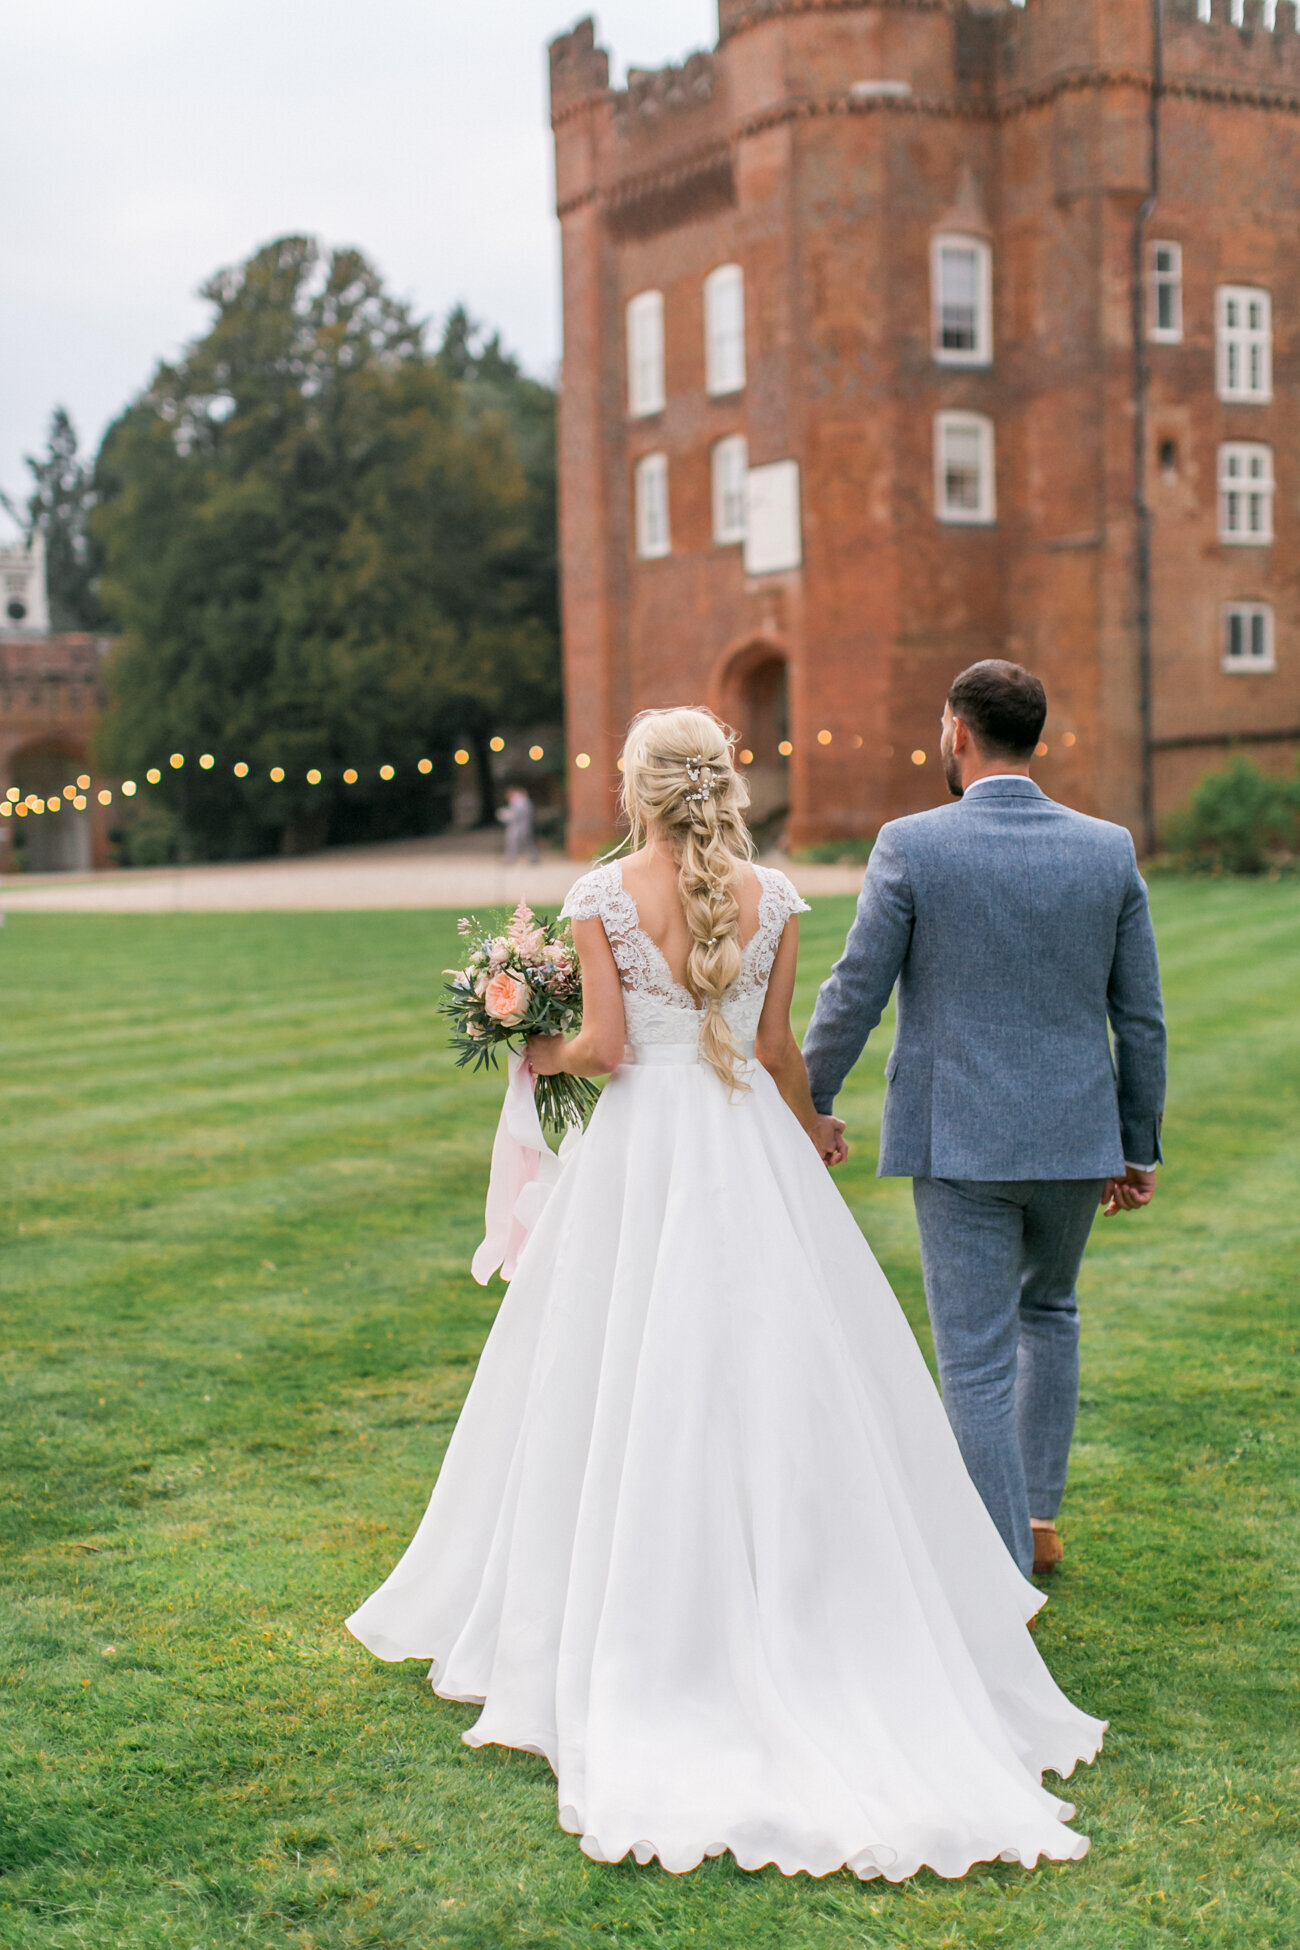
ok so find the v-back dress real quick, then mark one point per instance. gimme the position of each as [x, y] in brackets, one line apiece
[703, 1537]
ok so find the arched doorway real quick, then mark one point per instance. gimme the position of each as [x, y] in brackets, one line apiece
[51, 842]
[754, 695]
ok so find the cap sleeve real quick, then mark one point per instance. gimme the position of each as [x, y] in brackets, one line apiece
[586, 897]
[783, 897]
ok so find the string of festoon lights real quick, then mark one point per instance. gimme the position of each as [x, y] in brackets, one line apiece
[76, 796]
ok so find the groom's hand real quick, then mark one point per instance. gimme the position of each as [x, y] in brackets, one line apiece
[1126, 1194]
[827, 1133]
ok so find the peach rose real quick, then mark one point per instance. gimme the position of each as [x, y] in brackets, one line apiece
[506, 999]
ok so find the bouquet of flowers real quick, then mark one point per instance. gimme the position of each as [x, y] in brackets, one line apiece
[522, 981]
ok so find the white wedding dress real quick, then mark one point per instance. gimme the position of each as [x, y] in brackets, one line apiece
[702, 1537]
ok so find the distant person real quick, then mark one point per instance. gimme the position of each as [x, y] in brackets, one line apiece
[1018, 933]
[519, 818]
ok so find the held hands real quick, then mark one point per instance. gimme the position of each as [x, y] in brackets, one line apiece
[1126, 1194]
[827, 1134]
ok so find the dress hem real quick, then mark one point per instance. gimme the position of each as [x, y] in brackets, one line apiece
[644, 1851]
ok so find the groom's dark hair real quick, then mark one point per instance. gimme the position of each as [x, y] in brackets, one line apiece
[1003, 706]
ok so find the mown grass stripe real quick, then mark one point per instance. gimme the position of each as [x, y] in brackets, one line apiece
[239, 1328]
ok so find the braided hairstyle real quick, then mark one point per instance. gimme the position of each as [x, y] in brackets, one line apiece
[679, 776]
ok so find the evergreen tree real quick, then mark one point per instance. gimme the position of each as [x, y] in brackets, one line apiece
[319, 546]
[59, 507]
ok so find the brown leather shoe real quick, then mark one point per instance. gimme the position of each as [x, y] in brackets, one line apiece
[1048, 1548]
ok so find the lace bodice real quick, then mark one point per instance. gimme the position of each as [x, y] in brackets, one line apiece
[658, 1009]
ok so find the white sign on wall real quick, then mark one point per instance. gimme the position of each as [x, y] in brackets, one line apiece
[773, 534]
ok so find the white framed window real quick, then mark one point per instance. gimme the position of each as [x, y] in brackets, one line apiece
[724, 330]
[653, 536]
[730, 476]
[961, 301]
[1244, 342]
[1245, 492]
[1248, 637]
[645, 354]
[1165, 289]
[773, 519]
[964, 482]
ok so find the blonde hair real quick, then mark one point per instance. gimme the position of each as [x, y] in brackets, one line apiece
[679, 776]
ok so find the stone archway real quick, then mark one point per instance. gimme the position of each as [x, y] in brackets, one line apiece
[51, 693]
[51, 842]
[752, 692]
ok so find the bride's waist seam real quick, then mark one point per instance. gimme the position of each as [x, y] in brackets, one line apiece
[657, 1055]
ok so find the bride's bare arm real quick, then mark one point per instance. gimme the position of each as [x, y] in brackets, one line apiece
[780, 1055]
[598, 1047]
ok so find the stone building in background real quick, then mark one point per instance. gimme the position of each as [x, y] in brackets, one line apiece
[866, 313]
[51, 693]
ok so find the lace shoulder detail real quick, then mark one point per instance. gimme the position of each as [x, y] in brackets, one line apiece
[600, 895]
[780, 895]
[777, 901]
[588, 897]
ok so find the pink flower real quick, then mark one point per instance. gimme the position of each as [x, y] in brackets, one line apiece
[524, 934]
[506, 999]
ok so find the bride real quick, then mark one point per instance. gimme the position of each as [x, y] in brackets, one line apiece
[703, 1538]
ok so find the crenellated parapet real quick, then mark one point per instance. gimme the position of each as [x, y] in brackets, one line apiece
[651, 94]
[1233, 45]
[1233, 50]
[735, 16]
[579, 68]
[969, 58]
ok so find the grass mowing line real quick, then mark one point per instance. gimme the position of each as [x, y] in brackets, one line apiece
[235, 1772]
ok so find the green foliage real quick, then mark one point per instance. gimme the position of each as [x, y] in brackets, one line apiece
[833, 853]
[491, 386]
[1239, 820]
[242, 1180]
[60, 507]
[322, 547]
[149, 835]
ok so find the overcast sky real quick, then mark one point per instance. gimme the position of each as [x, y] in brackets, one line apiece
[146, 143]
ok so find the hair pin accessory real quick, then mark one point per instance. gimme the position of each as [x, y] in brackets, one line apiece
[700, 773]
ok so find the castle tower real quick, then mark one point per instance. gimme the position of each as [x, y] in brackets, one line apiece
[851, 387]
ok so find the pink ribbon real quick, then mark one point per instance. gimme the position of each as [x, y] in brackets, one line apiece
[525, 1172]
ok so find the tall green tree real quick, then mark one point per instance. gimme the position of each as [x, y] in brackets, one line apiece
[317, 547]
[59, 508]
[493, 388]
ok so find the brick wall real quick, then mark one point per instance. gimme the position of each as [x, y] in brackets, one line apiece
[821, 147]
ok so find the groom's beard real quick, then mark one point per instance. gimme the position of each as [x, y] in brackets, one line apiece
[951, 769]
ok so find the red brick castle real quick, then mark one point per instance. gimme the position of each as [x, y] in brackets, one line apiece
[868, 315]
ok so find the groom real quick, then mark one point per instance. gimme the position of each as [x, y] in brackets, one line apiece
[1015, 930]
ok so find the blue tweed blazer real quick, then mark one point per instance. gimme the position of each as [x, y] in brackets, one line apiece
[1016, 931]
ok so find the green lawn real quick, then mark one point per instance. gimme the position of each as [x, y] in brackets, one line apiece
[241, 1187]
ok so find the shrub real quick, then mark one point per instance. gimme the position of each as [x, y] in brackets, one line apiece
[835, 853]
[1239, 820]
[151, 837]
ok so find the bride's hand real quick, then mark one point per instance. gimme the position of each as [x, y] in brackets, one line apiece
[827, 1134]
[546, 1055]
